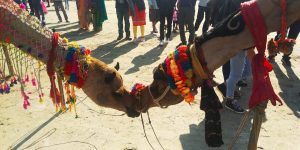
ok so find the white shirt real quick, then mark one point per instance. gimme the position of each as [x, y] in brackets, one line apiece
[203, 3]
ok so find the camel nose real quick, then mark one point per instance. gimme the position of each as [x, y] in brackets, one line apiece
[132, 113]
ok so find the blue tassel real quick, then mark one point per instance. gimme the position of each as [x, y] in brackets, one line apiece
[73, 78]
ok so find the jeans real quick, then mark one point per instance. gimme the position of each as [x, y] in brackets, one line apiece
[200, 15]
[247, 71]
[67, 4]
[123, 14]
[237, 65]
[58, 5]
[186, 17]
[162, 19]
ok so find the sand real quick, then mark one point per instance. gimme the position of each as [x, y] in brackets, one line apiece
[177, 127]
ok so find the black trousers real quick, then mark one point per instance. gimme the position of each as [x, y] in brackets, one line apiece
[36, 8]
[162, 20]
[293, 33]
[58, 5]
[186, 17]
[201, 11]
[122, 14]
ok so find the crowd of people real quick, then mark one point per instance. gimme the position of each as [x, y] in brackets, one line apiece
[171, 14]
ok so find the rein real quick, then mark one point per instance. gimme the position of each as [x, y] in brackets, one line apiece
[157, 100]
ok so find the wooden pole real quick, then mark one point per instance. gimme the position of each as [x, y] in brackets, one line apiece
[259, 117]
[8, 60]
[61, 90]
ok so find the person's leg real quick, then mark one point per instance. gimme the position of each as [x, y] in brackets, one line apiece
[64, 11]
[293, 34]
[56, 7]
[134, 29]
[48, 1]
[190, 15]
[120, 23]
[181, 26]
[206, 21]
[127, 24]
[162, 27]
[67, 4]
[142, 30]
[237, 64]
[169, 26]
[236, 70]
[199, 17]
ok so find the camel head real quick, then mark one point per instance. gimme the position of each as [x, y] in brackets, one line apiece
[158, 93]
[105, 87]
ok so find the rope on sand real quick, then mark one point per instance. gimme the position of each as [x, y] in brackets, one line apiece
[259, 117]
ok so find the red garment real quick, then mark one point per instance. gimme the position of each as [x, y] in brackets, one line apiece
[262, 89]
[139, 18]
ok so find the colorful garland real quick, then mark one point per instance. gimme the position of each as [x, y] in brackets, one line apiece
[136, 89]
[179, 72]
[76, 64]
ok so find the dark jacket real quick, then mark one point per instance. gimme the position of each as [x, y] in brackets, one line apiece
[187, 3]
[166, 6]
[140, 4]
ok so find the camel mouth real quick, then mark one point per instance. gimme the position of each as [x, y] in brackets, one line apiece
[132, 113]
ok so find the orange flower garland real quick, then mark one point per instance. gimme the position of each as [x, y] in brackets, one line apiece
[179, 73]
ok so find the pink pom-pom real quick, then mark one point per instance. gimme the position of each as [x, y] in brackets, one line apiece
[22, 6]
[33, 81]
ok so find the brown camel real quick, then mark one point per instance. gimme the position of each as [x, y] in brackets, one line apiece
[218, 46]
[104, 85]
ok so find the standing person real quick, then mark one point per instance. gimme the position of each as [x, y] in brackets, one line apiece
[36, 9]
[84, 15]
[122, 9]
[202, 9]
[186, 12]
[293, 34]
[139, 19]
[58, 5]
[99, 14]
[153, 14]
[166, 8]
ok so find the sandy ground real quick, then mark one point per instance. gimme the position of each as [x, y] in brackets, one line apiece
[177, 127]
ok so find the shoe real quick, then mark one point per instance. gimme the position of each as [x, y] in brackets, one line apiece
[155, 31]
[286, 61]
[142, 39]
[135, 40]
[67, 21]
[232, 104]
[161, 43]
[222, 89]
[120, 37]
[242, 83]
[59, 21]
[128, 38]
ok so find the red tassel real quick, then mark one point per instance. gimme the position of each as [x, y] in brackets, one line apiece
[262, 86]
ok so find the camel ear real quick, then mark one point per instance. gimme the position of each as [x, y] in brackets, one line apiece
[158, 75]
[117, 66]
[109, 77]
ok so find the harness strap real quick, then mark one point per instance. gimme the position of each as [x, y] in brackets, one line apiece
[196, 63]
[157, 100]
